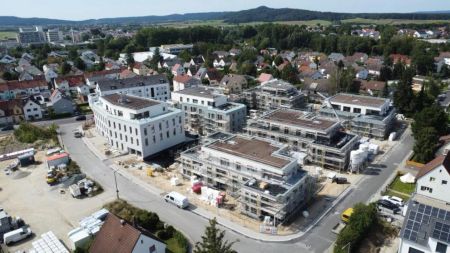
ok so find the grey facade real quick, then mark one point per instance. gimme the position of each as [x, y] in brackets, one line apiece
[322, 140]
[274, 94]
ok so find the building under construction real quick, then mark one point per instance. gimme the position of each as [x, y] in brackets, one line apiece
[363, 115]
[323, 140]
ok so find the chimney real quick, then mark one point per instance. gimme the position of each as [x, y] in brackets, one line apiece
[122, 222]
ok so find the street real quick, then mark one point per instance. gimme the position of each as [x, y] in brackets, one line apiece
[316, 240]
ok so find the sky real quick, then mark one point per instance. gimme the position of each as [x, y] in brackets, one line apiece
[93, 9]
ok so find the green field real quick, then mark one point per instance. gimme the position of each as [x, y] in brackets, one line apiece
[393, 21]
[221, 23]
[7, 35]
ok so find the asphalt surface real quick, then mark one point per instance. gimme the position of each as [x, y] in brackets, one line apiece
[317, 240]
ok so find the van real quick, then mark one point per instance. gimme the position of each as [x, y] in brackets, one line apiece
[177, 199]
[16, 235]
[345, 216]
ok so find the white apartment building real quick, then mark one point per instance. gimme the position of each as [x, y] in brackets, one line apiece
[137, 125]
[263, 173]
[155, 87]
[54, 35]
[176, 48]
[32, 110]
[33, 35]
[207, 112]
[426, 228]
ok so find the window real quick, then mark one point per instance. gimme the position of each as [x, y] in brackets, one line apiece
[135, 130]
[441, 248]
[137, 142]
[238, 166]
[145, 131]
[357, 110]
[154, 139]
[425, 188]
[224, 162]
[432, 179]
[131, 139]
[195, 101]
[160, 126]
[413, 250]
[444, 181]
[167, 134]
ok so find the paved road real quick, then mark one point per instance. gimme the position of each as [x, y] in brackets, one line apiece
[317, 240]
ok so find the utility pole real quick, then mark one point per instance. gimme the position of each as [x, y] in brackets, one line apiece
[115, 181]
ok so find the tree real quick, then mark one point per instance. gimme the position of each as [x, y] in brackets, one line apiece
[432, 88]
[65, 68]
[425, 145]
[385, 91]
[73, 54]
[290, 73]
[130, 59]
[213, 241]
[432, 116]
[404, 97]
[278, 60]
[79, 64]
[155, 59]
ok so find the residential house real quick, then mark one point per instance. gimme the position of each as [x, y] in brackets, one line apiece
[213, 76]
[336, 57]
[92, 78]
[235, 52]
[197, 61]
[427, 220]
[177, 70]
[233, 84]
[400, 58]
[11, 112]
[221, 54]
[127, 73]
[372, 88]
[32, 110]
[60, 103]
[142, 70]
[7, 59]
[184, 81]
[116, 235]
[264, 77]
[17, 89]
[362, 74]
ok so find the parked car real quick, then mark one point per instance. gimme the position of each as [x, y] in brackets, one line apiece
[177, 199]
[339, 180]
[80, 118]
[16, 235]
[388, 205]
[345, 216]
[8, 128]
[77, 135]
[395, 200]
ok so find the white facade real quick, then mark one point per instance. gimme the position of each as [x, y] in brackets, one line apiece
[54, 35]
[32, 110]
[435, 184]
[143, 131]
[360, 104]
[159, 90]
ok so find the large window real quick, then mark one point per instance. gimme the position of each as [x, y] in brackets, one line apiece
[413, 250]
[441, 248]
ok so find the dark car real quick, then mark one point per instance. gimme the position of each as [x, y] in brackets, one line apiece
[81, 117]
[8, 128]
[339, 180]
[388, 205]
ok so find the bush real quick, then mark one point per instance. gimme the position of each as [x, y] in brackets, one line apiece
[163, 235]
[170, 231]
[29, 133]
[148, 220]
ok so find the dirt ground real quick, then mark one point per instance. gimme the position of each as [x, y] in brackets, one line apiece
[26, 194]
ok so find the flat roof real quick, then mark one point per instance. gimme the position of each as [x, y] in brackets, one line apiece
[204, 92]
[131, 102]
[358, 100]
[253, 149]
[297, 118]
[138, 81]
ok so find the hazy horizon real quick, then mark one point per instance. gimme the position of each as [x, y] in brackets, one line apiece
[84, 9]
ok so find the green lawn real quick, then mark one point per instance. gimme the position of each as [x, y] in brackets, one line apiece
[85, 109]
[174, 247]
[7, 35]
[399, 186]
[392, 193]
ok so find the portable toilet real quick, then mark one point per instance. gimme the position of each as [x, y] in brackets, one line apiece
[26, 159]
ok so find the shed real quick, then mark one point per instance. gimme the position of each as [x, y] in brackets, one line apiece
[58, 159]
[26, 159]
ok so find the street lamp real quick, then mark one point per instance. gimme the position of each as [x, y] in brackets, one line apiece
[115, 181]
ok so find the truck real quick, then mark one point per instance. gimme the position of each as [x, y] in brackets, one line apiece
[338, 228]
[75, 191]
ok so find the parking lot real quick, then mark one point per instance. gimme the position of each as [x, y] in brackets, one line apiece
[26, 194]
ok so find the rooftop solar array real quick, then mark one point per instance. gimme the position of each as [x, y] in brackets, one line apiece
[425, 221]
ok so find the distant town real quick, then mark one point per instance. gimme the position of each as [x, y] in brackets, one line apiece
[212, 138]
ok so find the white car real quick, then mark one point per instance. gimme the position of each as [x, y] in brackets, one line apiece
[16, 235]
[395, 200]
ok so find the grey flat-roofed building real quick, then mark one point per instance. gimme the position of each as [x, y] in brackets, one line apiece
[323, 140]
[263, 175]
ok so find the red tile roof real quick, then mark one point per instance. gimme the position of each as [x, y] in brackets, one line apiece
[443, 160]
[264, 77]
[103, 72]
[400, 58]
[115, 236]
[13, 85]
[57, 156]
[372, 85]
[182, 78]
[73, 81]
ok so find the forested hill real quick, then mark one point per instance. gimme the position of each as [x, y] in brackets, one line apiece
[260, 14]
[286, 14]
